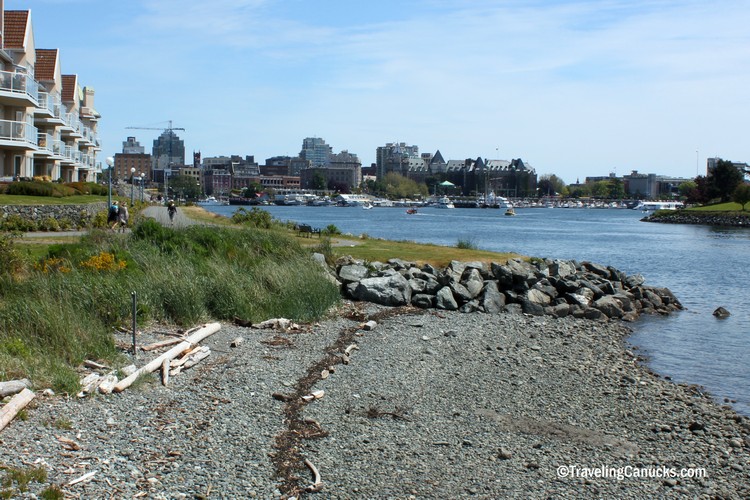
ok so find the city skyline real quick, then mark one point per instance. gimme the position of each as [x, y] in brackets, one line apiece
[575, 88]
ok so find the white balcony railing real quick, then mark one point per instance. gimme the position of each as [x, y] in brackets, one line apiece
[19, 83]
[21, 132]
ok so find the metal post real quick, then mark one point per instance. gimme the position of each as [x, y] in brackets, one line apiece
[109, 186]
[134, 313]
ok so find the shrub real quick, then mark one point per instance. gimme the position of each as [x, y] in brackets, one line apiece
[331, 229]
[40, 189]
[256, 217]
[48, 224]
[17, 223]
[467, 243]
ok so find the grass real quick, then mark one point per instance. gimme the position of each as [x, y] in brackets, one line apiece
[719, 207]
[59, 308]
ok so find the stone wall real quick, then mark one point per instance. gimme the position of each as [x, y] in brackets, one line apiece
[704, 218]
[557, 288]
[78, 215]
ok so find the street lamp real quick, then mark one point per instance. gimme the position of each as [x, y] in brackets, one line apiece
[143, 179]
[132, 173]
[110, 165]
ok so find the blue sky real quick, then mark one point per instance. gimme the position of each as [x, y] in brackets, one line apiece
[576, 88]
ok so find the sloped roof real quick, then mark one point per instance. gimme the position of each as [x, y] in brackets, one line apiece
[46, 63]
[14, 28]
[438, 158]
[69, 84]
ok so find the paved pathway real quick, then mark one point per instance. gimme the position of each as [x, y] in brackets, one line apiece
[160, 214]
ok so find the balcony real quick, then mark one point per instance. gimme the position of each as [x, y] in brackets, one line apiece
[45, 144]
[17, 134]
[18, 89]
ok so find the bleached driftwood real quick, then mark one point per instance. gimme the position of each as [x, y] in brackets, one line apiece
[278, 323]
[187, 356]
[165, 372]
[16, 404]
[154, 364]
[236, 342]
[317, 484]
[94, 365]
[13, 387]
[85, 477]
[107, 385]
[190, 359]
[162, 343]
[89, 384]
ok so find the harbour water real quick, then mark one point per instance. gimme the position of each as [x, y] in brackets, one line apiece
[706, 267]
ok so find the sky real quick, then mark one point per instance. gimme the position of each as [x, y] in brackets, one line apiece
[575, 88]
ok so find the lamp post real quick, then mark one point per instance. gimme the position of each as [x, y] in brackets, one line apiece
[132, 179]
[110, 164]
[143, 179]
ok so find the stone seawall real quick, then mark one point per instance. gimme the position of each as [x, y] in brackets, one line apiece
[704, 218]
[556, 288]
[77, 215]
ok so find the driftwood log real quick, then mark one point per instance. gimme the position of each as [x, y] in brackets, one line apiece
[13, 387]
[156, 363]
[16, 404]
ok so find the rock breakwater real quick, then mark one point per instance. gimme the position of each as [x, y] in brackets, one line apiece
[702, 218]
[539, 287]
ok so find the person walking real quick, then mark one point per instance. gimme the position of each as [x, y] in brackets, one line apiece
[123, 216]
[171, 209]
[112, 215]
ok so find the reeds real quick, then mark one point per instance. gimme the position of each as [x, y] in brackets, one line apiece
[60, 310]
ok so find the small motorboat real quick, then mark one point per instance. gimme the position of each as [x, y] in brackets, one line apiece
[411, 211]
[510, 211]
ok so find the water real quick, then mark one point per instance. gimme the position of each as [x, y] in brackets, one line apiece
[706, 267]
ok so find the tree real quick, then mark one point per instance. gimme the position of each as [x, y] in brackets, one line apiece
[724, 179]
[741, 195]
[616, 189]
[185, 186]
[550, 185]
[318, 181]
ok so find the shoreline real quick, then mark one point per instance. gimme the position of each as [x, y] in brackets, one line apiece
[432, 404]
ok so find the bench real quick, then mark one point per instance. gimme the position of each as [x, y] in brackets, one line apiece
[307, 230]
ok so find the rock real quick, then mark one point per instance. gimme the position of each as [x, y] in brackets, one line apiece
[696, 426]
[423, 301]
[353, 272]
[597, 269]
[472, 280]
[504, 454]
[610, 306]
[538, 297]
[460, 292]
[720, 312]
[444, 299]
[388, 290]
[532, 308]
[492, 300]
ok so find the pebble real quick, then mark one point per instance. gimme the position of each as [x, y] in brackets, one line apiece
[463, 421]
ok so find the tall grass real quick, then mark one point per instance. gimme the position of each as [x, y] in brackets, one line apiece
[60, 310]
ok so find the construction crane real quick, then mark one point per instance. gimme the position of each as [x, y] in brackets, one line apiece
[165, 129]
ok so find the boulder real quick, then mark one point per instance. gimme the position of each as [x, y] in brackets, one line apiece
[424, 301]
[532, 308]
[597, 269]
[472, 280]
[353, 272]
[610, 306]
[391, 290]
[561, 268]
[720, 312]
[460, 292]
[538, 297]
[444, 299]
[492, 301]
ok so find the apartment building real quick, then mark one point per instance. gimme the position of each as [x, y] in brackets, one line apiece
[48, 123]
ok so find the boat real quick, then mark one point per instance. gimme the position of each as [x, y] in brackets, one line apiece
[411, 211]
[366, 205]
[510, 211]
[651, 206]
[444, 202]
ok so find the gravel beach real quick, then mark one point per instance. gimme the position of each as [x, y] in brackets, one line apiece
[427, 404]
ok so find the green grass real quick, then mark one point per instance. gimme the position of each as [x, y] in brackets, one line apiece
[60, 309]
[719, 207]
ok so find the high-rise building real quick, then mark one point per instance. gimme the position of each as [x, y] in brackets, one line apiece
[394, 157]
[316, 151]
[168, 150]
[131, 146]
